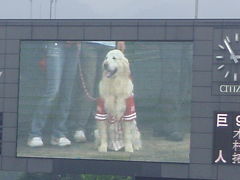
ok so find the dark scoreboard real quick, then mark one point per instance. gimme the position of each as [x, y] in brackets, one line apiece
[186, 77]
[226, 138]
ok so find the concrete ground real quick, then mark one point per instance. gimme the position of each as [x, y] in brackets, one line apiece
[155, 149]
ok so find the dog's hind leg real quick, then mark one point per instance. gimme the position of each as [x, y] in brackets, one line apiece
[102, 127]
[127, 128]
[137, 144]
[136, 137]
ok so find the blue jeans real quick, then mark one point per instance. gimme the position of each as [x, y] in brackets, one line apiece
[62, 64]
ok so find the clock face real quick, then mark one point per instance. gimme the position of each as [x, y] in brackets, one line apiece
[230, 55]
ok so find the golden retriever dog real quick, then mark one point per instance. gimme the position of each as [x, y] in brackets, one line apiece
[116, 116]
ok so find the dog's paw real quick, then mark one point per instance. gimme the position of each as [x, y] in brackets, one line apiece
[102, 148]
[137, 147]
[129, 148]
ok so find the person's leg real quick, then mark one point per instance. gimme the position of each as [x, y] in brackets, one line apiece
[88, 70]
[92, 56]
[71, 61]
[54, 72]
[170, 103]
[87, 78]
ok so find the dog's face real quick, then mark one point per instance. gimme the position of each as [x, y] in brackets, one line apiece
[115, 63]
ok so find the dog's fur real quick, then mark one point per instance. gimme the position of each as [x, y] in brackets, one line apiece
[114, 88]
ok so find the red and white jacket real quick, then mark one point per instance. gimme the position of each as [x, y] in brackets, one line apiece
[129, 115]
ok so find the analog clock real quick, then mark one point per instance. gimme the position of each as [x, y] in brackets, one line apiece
[228, 46]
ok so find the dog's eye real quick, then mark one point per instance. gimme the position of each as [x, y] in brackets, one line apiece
[114, 58]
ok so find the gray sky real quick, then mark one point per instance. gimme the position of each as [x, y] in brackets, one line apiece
[119, 9]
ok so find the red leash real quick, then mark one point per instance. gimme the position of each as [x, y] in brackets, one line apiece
[84, 84]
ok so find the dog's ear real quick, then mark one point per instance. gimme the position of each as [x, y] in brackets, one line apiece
[126, 67]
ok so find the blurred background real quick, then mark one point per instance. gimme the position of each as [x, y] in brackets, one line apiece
[122, 9]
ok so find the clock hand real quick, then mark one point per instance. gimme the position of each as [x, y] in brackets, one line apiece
[237, 56]
[230, 51]
[235, 59]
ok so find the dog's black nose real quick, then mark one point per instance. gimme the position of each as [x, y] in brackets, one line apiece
[105, 65]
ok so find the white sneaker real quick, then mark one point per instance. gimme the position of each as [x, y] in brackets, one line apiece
[79, 136]
[62, 141]
[35, 142]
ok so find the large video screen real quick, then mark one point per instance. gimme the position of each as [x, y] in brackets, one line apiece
[105, 100]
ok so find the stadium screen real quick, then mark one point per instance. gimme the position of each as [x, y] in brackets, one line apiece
[108, 100]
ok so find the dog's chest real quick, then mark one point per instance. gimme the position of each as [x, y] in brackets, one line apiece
[114, 92]
[116, 109]
[115, 106]
[119, 88]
